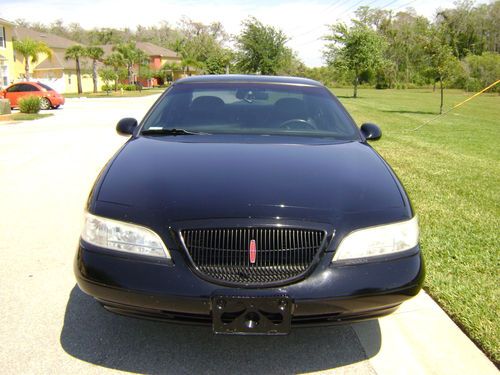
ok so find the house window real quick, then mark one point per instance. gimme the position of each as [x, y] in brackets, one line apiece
[2, 37]
[4, 75]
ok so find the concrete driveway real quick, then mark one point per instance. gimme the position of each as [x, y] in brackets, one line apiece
[48, 326]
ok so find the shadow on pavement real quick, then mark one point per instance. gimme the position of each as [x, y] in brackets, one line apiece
[94, 335]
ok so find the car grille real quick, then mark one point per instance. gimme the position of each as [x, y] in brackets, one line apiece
[280, 254]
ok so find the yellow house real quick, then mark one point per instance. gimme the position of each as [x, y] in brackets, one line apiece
[60, 73]
[7, 59]
[55, 71]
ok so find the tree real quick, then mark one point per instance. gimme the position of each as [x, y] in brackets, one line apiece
[107, 75]
[482, 71]
[202, 46]
[218, 62]
[131, 55]
[354, 49]
[116, 61]
[442, 64]
[187, 63]
[30, 49]
[95, 53]
[261, 48]
[76, 52]
[167, 71]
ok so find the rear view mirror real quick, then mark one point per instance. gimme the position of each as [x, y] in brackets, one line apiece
[126, 126]
[251, 95]
[371, 131]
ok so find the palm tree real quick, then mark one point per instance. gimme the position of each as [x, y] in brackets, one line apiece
[116, 61]
[75, 53]
[188, 62]
[30, 49]
[131, 55]
[95, 53]
[169, 68]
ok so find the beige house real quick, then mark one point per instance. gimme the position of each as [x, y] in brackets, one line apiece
[60, 73]
[55, 71]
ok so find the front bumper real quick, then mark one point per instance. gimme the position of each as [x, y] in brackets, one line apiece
[332, 293]
[56, 100]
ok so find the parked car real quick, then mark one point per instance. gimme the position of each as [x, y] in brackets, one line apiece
[49, 98]
[253, 204]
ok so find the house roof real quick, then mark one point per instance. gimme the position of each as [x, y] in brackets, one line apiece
[149, 48]
[154, 50]
[58, 62]
[5, 22]
[53, 41]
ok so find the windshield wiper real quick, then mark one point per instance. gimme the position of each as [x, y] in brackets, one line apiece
[174, 132]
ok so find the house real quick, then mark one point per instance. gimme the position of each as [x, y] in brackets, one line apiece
[55, 71]
[60, 73]
[7, 58]
[158, 56]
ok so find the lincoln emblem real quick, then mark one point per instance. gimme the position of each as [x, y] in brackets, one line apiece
[252, 252]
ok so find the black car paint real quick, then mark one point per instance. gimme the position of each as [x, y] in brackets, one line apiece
[171, 183]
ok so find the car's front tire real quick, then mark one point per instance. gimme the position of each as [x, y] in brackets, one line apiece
[45, 103]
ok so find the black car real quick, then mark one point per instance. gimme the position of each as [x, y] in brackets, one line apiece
[253, 204]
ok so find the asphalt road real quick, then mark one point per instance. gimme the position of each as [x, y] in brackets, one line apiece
[47, 325]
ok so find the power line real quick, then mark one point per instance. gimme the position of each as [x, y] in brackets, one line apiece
[318, 27]
[405, 5]
[381, 7]
[298, 27]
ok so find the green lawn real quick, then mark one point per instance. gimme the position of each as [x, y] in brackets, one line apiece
[451, 170]
[24, 116]
[117, 94]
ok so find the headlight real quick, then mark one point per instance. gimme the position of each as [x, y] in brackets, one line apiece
[125, 237]
[380, 240]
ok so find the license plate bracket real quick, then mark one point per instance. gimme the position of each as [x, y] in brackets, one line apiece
[251, 315]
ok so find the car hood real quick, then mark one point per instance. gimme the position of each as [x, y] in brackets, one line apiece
[201, 177]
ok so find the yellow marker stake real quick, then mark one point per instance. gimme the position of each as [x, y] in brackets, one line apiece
[459, 104]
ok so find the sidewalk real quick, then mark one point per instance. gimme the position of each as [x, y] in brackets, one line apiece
[419, 338]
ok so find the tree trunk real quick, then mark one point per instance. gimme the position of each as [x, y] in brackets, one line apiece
[27, 69]
[78, 76]
[356, 81]
[94, 75]
[129, 74]
[116, 80]
[442, 93]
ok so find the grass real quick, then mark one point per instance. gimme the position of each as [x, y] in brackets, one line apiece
[117, 94]
[451, 170]
[24, 116]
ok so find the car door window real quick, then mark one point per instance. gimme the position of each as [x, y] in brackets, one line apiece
[14, 88]
[27, 88]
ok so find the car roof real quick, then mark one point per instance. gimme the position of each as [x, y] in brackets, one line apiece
[242, 78]
[25, 83]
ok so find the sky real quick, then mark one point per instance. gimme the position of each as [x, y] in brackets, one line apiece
[304, 22]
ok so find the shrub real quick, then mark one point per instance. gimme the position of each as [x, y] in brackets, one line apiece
[107, 87]
[30, 104]
[130, 87]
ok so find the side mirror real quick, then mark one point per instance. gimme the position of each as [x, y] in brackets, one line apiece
[126, 126]
[371, 131]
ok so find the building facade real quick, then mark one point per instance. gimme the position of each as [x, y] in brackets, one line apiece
[7, 58]
[59, 73]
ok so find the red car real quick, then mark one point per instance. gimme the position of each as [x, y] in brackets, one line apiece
[49, 98]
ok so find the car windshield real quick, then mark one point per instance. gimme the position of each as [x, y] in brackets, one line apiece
[251, 108]
[47, 88]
